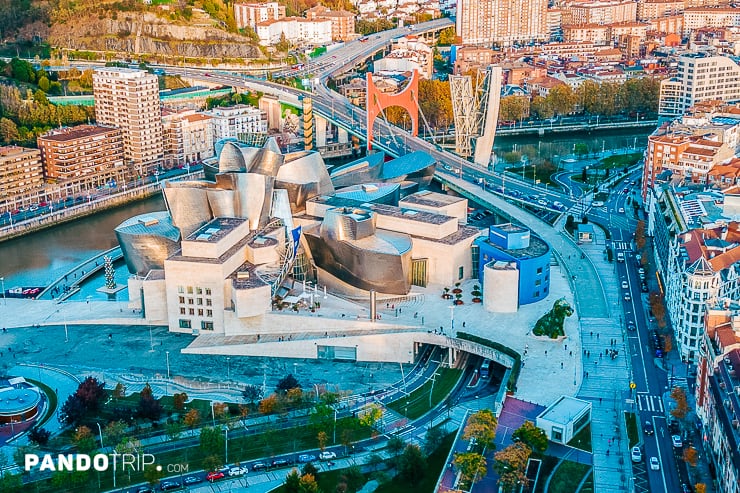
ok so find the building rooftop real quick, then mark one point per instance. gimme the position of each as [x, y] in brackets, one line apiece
[537, 247]
[216, 229]
[412, 215]
[431, 199]
[78, 132]
[564, 410]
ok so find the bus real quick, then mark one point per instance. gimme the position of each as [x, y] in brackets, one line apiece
[485, 368]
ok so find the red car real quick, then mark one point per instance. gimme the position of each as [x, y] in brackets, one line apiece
[215, 476]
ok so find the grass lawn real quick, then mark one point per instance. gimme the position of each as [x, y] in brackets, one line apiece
[588, 485]
[435, 462]
[548, 464]
[541, 173]
[620, 160]
[630, 420]
[567, 477]
[53, 401]
[582, 440]
[416, 404]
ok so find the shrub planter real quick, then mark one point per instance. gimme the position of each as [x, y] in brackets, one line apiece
[459, 302]
[457, 291]
[477, 300]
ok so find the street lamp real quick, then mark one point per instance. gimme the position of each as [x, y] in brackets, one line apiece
[228, 368]
[151, 340]
[452, 318]
[226, 444]
[167, 356]
[100, 433]
[5, 300]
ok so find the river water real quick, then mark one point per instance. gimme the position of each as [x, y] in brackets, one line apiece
[39, 258]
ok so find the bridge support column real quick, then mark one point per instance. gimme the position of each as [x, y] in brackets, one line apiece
[320, 131]
[451, 356]
[342, 136]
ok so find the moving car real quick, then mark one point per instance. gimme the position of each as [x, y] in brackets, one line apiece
[621, 210]
[280, 463]
[625, 285]
[303, 458]
[648, 428]
[191, 480]
[636, 454]
[259, 466]
[630, 326]
[627, 297]
[215, 476]
[169, 485]
[238, 471]
[654, 464]
[327, 454]
[597, 203]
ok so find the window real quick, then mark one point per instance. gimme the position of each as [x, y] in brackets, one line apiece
[182, 311]
[182, 300]
[538, 282]
[185, 324]
[539, 270]
[198, 291]
[460, 272]
[200, 312]
[190, 289]
[191, 311]
[208, 291]
[199, 301]
[536, 294]
[209, 302]
[209, 313]
[180, 289]
[190, 301]
[206, 325]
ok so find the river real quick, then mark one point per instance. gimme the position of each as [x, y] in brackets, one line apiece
[39, 258]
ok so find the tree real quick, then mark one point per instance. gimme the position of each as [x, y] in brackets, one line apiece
[119, 392]
[283, 45]
[395, 446]
[268, 404]
[286, 383]
[39, 436]
[374, 461]
[435, 102]
[252, 393]
[173, 430]
[690, 456]
[471, 465]
[309, 468]
[212, 462]
[372, 415]
[84, 440]
[587, 96]
[446, 37]
[8, 131]
[179, 399]
[292, 482]
[510, 464]
[152, 474]
[542, 107]
[532, 436]
[22, 71]
[308, 484]
[323, 439]
[412, 464]
[73, 410]
[433, 439]
[192, 418]
[11, 483]
[149, 407]
[211, 440]
[347, 437]
[581, 150]
[481, 426]
[682, 407]
[44, 84]
[700, 488]
[513, 108]
[561, 99]
[219, 410]
[91, 392]
[114, 433]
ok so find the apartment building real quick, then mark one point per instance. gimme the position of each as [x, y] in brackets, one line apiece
[230, 121]
[669, 25]
[702, 17]
[595, 34]
[250, 14]
[342, 22]
[407, 54]
[699, 78]
[83, 157]
[297, 30]
[599, 12]
[21, 176]
[501, 22]
[129, 99]
[717, 390]
[469, 58]
[188, 137]
[356, 91]
[655, 9]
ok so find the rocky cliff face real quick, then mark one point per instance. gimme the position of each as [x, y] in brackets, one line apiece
[148, 34]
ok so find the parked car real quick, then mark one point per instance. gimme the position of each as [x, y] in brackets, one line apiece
[191, 480]
[144, 489]
[627, 297]
[654, 464]
[636, 454]
[169, 485]
[303, 458]
[215, 476]
[631, 326]
[597, 203]
[625, 285]
[259, 466]
[676, 440]
[327, 454]
[280, 463]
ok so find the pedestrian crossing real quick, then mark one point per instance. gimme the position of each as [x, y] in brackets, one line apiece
[651, 403]
[621, 245]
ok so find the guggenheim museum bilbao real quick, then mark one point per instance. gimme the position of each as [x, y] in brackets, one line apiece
[230, 258]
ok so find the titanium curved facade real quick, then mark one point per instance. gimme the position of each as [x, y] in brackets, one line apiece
[348, 247]
[187, 202]
[416, 167]
[147, 240]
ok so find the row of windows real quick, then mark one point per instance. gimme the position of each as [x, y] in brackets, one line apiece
[191, 311]
[187, 324]
[195, 301]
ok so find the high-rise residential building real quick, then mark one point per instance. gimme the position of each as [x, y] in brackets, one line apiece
[718, 395]
[655, 9]
[230, 121]
[700, 17]
[21, 177]
[599, 12]
[188, 137]
[501, 22]
[129, 99]
[250, 14]
[297, 30]
[81, 158]
[699, 78]
[342, 22]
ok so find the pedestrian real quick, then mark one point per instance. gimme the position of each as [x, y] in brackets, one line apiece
[592, 333]
[566, 347]
[571, 353]
[399, 309]
[597, 335]
[463, 324]
[561, 365]
[545, 352]
[599, 400]
[584, 352]
[586, 374]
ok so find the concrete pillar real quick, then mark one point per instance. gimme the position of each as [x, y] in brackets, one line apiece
[320, 131]
[342, 136]
[373, 305]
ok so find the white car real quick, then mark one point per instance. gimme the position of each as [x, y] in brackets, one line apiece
[677, 442]
[654, 464]
[625, 285]
[238, 471]
[621, 210]
[597, 203]
[327, 455]
[636, 454]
